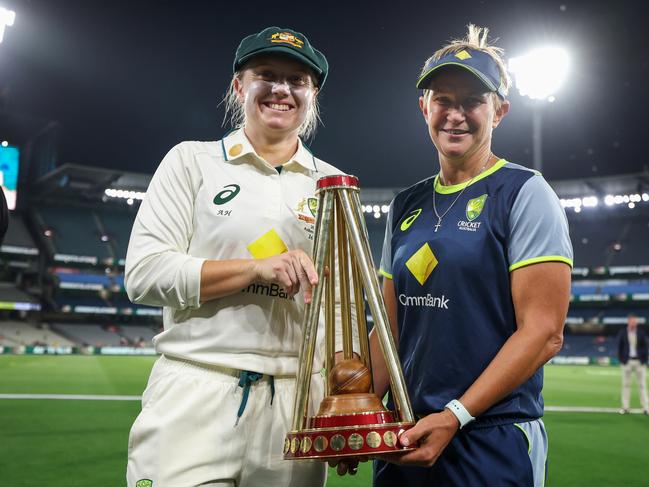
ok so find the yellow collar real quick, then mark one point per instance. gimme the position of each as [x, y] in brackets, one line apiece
[454, 188]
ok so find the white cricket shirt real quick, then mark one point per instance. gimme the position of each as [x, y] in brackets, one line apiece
[220, 200]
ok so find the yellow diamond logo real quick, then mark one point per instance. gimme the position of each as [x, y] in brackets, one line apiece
[267, 245]
[422, 263]
[463, 55]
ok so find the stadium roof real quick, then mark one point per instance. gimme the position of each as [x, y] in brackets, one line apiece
[73, 181]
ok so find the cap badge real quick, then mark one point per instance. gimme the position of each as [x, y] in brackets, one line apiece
[463, 54]
[286, 38]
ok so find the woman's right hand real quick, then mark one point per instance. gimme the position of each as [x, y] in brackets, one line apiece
[293, 270]
[346, 465]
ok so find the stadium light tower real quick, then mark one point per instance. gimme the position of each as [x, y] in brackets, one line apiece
[7, 18]
[539, 75]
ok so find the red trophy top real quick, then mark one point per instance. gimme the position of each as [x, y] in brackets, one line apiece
[337, 181]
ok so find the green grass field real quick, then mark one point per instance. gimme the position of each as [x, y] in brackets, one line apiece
[70, 443]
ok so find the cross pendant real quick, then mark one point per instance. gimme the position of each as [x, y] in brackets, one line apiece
[438, 224]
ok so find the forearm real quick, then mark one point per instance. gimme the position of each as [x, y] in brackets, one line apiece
[224, 277]
[380, 374]
[523, 353]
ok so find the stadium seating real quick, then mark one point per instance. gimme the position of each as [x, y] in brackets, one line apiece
[117, 226]
[624, 241]
[72, 231]
[135, 333]
[87, 334]
[18, 239]
[14, 333]
[589, 346]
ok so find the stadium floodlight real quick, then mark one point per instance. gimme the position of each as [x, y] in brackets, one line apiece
[128, 195]
[7, 19]
[539, 75]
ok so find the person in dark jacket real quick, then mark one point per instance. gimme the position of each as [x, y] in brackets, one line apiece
[632, 353]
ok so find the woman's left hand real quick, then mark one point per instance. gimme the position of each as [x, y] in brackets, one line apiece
[432, 433]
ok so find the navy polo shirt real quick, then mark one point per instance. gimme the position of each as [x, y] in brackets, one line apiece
[452, 285]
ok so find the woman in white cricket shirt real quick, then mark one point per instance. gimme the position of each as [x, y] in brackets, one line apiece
[223, 242]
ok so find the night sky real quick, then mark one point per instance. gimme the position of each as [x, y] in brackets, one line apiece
[127, 81]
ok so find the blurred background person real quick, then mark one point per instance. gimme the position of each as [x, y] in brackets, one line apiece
[632, 353]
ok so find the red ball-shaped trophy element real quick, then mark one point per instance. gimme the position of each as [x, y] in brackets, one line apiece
[349, 377]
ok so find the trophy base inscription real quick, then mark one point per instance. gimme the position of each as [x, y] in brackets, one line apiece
[346, 435]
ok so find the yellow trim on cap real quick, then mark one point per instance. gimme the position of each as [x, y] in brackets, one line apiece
[454, 188]
[536, 260]
[385, 274]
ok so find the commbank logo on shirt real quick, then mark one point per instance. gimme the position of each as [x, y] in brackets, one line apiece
[271, 290]
[422, 263]
[429, 301]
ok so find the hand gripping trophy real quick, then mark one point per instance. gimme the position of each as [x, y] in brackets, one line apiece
[351, 420]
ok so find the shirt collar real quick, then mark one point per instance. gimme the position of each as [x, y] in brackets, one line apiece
[236, 145]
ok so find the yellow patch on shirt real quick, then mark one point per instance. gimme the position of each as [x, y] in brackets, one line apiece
[267, 245]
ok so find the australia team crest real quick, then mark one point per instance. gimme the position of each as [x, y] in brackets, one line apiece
[474, 207]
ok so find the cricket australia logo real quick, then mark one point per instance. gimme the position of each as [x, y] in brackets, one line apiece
[473, 210]
[313, 205]
[474, 207]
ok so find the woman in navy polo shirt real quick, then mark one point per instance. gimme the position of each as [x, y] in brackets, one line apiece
[477, 263]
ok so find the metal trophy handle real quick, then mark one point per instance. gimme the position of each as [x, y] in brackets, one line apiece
[351, 419]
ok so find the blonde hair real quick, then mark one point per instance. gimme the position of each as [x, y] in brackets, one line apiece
[235, 114]
[476, 39]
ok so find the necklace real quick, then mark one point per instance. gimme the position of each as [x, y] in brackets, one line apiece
[439, 217]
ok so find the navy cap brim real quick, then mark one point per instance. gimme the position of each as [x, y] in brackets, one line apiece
[424, 80]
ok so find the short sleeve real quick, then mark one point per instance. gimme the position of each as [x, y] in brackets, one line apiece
[538, 227]
[385, 269]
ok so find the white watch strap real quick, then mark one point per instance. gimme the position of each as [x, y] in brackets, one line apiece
[460, 412]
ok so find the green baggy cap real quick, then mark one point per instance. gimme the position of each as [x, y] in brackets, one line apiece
[283, 41]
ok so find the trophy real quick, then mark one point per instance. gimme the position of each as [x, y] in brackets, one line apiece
[351, 420]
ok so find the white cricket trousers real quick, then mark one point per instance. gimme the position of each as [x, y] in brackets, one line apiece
[641, 375]
[185, 435]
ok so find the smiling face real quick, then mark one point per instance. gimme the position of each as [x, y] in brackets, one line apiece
[276, 93]
[461, 114]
